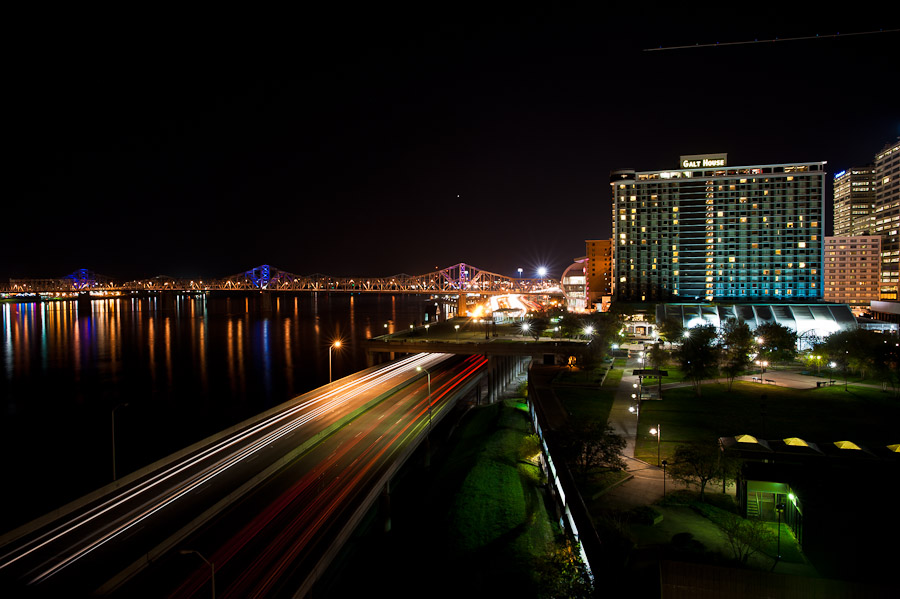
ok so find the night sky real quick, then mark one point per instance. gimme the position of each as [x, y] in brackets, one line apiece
[353, 143]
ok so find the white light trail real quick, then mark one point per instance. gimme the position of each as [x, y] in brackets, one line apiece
[281, 424]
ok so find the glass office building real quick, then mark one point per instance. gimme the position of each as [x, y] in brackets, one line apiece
[707, 231]
[854, 201]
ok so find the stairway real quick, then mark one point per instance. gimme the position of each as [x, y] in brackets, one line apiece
[752, 505]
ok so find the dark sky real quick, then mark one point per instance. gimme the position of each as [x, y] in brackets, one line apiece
[376, 143]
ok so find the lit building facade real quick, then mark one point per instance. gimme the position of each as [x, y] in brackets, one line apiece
[599, 272]
[853, 270]
[573, 283]
[707, 230]
[854, 201]
[887, 217]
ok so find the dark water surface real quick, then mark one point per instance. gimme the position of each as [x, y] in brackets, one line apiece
[186, 371]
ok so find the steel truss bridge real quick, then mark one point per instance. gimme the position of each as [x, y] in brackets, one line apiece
[453, 280]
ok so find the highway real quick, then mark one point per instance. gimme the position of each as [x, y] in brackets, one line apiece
[342, 434]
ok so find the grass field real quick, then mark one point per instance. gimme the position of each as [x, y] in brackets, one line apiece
[860, 414]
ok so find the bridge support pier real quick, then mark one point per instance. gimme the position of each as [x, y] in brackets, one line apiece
[461, 308]
[84, 302]
[265, 302]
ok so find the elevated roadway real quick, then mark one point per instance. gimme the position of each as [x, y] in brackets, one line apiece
[320, 458]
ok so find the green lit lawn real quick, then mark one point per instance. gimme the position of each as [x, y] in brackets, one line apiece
[586, 404]
[863, 415]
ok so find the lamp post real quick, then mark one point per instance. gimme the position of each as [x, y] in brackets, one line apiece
[664, 463]
[428, 434]
[762, 365]
[456, 326]
[426, 329]
[779, 509]
[428, 374]
[658, 432]
[113, 434]
[336, 344]
[212, 567]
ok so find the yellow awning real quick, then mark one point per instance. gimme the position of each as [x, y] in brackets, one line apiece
[846, 445]
[746, 439]
[796, 441]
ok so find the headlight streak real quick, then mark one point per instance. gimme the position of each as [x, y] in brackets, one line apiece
[329, 401]
[294, 536]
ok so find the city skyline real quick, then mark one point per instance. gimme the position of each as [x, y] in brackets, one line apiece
[368, 146]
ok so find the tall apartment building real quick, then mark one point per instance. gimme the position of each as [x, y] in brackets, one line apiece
[707, 231]
[854, 201]
[887, 218]
[599, 270]
[853, 270]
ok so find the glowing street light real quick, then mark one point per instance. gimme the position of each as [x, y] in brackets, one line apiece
[762, 365]
[456, 326]
[588, 330]
[335, 345]
[212, 567]
[658, 432]
[541, 272]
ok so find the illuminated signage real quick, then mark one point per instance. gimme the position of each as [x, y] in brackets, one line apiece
[704, 161]
[840, 174]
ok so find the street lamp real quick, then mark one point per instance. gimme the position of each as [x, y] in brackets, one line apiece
[541, 272]
[426, 329]
[762, 365]
[456, 326]
[212, 567]
[335, 345]
[658, 432]
[428, 374]
[525, 327]
[779, 509]
[664, 463]
[588, 330]
[428, 435]
[113, 435]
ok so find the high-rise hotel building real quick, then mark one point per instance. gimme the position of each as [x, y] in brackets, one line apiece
[854, 202]
[707, 230]
[887, 218]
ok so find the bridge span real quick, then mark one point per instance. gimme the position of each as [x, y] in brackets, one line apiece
[455, 279]
[269, 501]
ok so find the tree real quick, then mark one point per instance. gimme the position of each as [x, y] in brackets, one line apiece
[591, 446]
[562, 573]
[777, 343]
[698, 354]
[536, 327]
[657, 356]
[745, 536]
[671, 330]
[697, 464]
[737, 343]
[865, 352]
